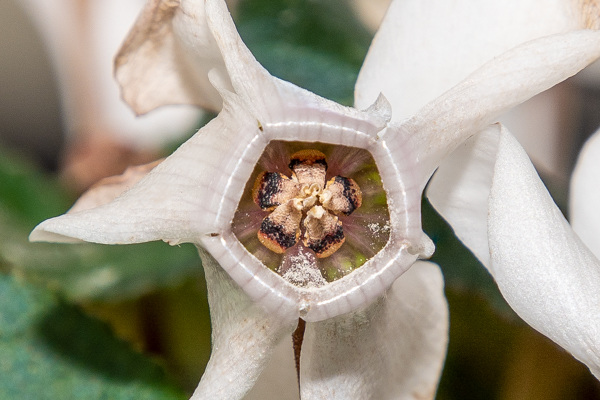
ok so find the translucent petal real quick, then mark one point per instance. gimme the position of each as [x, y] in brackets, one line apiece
[244, 337]
[108, 189]
[393, 349]
[423, 48]
[81, 42]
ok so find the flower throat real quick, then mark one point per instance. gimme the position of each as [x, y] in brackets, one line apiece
[313, 213]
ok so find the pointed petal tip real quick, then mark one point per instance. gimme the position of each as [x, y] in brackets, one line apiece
[48, 231]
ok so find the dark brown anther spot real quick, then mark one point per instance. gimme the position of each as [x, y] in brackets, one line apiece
[327, 245]
[272, 189]
[280, 230]
[274, 237]
[345, 195]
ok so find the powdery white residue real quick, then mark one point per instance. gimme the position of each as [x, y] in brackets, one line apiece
[303, 271]
[377, 228]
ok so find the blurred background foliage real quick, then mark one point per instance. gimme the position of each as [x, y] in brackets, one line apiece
[110, 322]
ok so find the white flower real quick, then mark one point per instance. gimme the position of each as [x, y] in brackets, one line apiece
[381, 330]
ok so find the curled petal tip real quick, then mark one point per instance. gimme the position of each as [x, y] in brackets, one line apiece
[424, 248]
[382, 108]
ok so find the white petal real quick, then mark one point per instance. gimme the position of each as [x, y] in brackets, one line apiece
[424, 47]
[585, 195]
[108, 189]
[244, 337]
[178, 201]
[504, 82]
[542, 268]
[167, 56]
[393, 349]
[460, 188]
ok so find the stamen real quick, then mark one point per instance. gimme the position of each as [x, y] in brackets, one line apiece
[309, 167]
[280, 230]
[341, 195]
[324, 234]
[312, 224]
[272, 189]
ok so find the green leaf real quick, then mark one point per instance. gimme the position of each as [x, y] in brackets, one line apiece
[28, 194]
[81, 271]
[50, 350]
[96, 272]
[319, 46]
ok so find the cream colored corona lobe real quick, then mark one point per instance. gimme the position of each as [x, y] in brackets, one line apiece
[298, 204]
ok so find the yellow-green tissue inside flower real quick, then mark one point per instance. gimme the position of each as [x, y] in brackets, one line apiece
[321, 229]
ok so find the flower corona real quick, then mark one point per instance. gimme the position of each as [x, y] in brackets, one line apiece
[309, 222]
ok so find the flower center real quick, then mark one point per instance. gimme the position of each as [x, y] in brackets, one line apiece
[303, 205]
[313, 212]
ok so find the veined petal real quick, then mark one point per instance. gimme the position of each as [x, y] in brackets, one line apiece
[423, 48]
[393, 349]
[585, 195]
[167, 56]
[179, 201]
[547, 275]
[506, 81]
[244, 337]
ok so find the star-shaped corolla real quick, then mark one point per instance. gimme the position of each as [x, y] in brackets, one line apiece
[378, 330]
